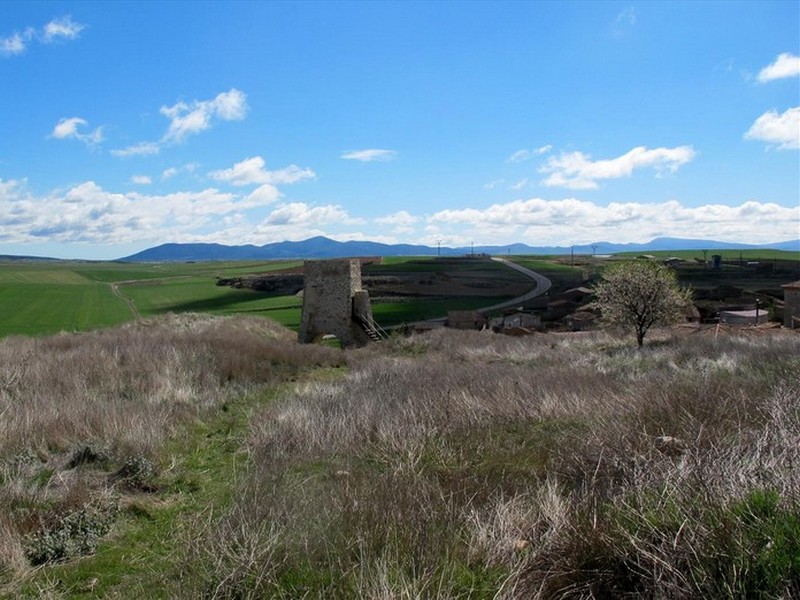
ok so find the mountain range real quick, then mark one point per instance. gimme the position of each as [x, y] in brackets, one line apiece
[322, 247]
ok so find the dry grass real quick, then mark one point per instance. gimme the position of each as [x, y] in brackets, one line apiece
[449, 465]
[84, 418]
[461, 464]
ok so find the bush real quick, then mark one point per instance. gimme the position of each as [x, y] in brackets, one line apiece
[76, 534]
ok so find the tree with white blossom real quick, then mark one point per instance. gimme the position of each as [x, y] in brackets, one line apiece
[637, 295]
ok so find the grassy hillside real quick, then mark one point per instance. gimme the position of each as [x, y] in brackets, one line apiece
[192, 457]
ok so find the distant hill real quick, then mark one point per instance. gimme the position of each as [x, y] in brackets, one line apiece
[15, 257]
[322, 247]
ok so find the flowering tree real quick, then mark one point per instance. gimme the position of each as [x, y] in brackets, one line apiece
[640, 294]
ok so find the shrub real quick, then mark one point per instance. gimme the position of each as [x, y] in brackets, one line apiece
[76, 534]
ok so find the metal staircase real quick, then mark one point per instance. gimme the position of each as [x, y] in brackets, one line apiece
[375, 332]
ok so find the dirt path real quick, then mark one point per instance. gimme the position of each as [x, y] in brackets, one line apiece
[131, 306]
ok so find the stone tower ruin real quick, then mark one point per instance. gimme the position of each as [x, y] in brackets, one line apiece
[791, 304]
[335, 304]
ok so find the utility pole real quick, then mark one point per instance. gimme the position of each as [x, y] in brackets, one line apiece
[438, 247]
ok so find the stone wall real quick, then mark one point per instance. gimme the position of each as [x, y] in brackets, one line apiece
[330, 286]
[791, 304]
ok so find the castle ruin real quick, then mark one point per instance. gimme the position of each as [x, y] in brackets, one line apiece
[791, 305]
[335, 304]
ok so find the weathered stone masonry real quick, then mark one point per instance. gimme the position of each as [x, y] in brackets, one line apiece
[791, 307]
[333, 302]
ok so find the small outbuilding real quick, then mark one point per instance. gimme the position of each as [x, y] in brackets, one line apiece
[466, 319]
[520, 319]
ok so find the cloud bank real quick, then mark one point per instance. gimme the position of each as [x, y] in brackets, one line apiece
[576, 170]
[88, 213]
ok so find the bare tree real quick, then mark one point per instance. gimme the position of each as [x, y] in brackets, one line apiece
[640, 294]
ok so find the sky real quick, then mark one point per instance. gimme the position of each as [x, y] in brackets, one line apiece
[125, 125]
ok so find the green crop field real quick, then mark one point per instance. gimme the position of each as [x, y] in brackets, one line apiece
[37, 308]
[200, 294]
[52, 296]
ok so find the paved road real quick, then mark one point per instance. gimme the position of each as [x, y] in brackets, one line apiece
[542, 285]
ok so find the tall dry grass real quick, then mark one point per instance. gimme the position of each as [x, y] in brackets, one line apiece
[81, 414]
[461, 464]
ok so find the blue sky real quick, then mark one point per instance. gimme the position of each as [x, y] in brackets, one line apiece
[129, 124]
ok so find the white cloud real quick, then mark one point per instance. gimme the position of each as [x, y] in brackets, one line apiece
[786, 65]
[264, 194]
[63, 28]
[69, 129]
[519, 185]
[186, 119]
[623, 22]
[173, 171]
[251, 171]
[572, 221]
[401, 222]
[14, 44]
[519, 156]
[141, 179]
[575, 170]
[493, 184]
[781, 129]
[525, 154]
[626, 17]
[300, 213]
[402, 217]
[140, 149]
[370, 155]
[88, 213]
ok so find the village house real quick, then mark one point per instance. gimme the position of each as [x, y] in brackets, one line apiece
[467, 319]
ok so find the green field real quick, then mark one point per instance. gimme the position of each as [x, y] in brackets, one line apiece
[200, 294]
[51, 296]
[727, 255]
[37, 308]
[48, 297]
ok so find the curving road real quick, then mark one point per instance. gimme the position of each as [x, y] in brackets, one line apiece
[542, 285]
